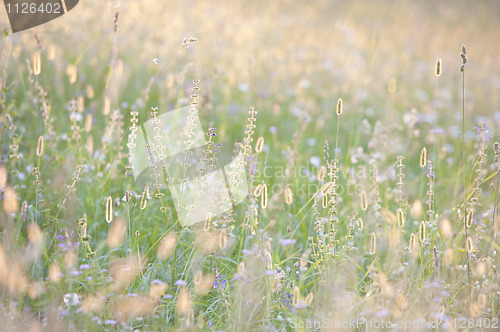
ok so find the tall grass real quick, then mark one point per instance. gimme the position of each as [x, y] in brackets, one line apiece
[322, 238]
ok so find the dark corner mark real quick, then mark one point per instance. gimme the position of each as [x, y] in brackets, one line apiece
[26, 14]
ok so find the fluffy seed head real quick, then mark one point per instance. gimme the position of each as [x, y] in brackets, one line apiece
[166, 246]
[117, 231]
[448, 257]
[157, 289]
[88, 123]
[3, 177]
[34, 234]
[445, 228]
[55, 274]
[184, 303]
[202, 283]
[10, 203]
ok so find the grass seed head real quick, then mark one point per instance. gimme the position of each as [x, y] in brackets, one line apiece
[339, 107]
[423, 157]
[438, 67]
[166, 246]
[109, 209]
[288, 196]
[421, 231]
[117, 232]
[10, 202]
[39, 147]
[37, 64]
[263, 198]
[259, 145]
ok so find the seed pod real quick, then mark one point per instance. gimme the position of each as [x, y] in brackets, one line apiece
[263, 200]
[144, 198]
[373, 243]
[259, 145]
[37, 64]
[363, 200]
[423, 157]
[109, 209]
[288, 196]
[421, 231]
[321, 173]
[401, 218]
[39, 146]
[339, 106]
[438, 67]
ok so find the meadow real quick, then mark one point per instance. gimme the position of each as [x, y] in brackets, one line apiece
[369, 131]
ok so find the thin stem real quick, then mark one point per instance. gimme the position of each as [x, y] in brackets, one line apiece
[465, 184]
[337, 137]
[434, 147]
